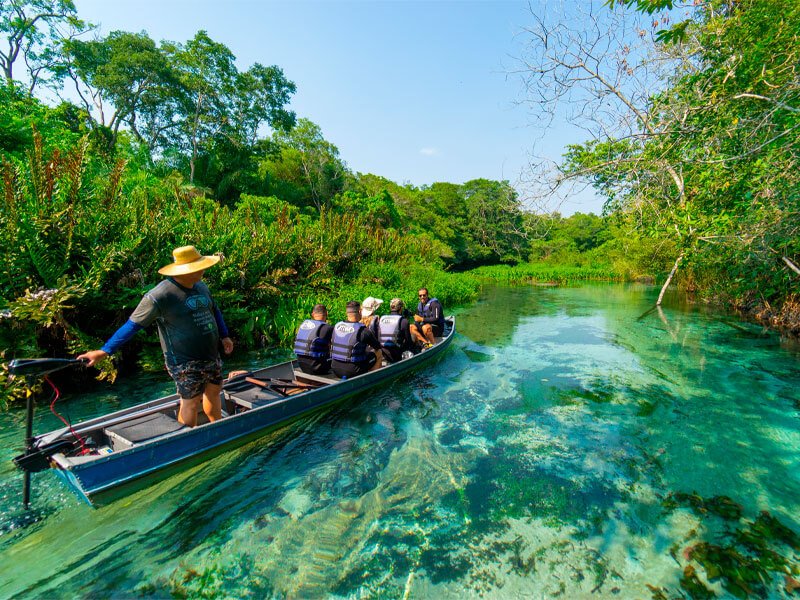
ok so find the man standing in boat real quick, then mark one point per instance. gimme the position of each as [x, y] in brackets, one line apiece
[190, 326]
[350, 354]
[429, 319]
[312, 345]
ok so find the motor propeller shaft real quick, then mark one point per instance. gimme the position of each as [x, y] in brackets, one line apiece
[41, 366]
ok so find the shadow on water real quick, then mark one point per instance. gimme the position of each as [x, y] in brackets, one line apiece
[562, 449]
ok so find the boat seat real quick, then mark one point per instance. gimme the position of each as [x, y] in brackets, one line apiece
[326, 379]
[253, 397]
[127, 434]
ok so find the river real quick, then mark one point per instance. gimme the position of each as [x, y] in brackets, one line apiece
[565, 446]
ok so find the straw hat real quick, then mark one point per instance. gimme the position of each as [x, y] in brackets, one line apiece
[188, 260]
[370, 305]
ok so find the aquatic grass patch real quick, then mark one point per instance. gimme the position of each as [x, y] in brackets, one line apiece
[508, 483]
[749, 557]
[544, 273]
[477, 356]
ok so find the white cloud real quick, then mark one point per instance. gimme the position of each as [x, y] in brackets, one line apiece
[429, 151]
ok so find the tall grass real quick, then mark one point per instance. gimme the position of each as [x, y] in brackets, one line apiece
[546, 273]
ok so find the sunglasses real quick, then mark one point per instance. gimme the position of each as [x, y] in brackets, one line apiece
[423, 295]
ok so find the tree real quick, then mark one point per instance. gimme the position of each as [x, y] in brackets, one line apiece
[261, 95]
[738, 145]
[378, 209]
[188, 103]
[208, 78]
[34, 31]
[495, 230]
[607, 72]
[695, 131]
[222, 103]
[227, 163]
[308, 162]
[120, 78]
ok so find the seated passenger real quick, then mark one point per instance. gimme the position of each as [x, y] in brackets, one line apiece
[368, 316]
[394, 333]
[349, 346]
[313, 342]
[429, 320]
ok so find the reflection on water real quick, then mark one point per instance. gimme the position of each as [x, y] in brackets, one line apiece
[563, 447]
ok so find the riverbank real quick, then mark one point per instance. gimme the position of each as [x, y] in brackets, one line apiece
[260, 327]
[276, 327]
[784, 319]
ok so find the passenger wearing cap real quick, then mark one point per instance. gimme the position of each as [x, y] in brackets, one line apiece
[313, 342]
[394, 333]
[368, 316]
[351, 343]
[190, 326]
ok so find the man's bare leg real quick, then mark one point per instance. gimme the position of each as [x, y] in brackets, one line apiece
[187, 413]
[417, 335]
[428, 331]
[212, 405]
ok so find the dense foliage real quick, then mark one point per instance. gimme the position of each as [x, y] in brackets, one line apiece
[171, 144]
[158, 145]
[84, 237]
[711, 170]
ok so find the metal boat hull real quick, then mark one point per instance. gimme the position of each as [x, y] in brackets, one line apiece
[95, 479]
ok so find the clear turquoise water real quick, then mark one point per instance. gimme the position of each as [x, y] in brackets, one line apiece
[552, 452]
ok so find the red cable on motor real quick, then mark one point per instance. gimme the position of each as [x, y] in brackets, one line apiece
[84, 450]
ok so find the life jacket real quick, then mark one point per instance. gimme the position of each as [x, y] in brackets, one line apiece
[426, 312]
[345, 346]
[308, 342]
[389, 329]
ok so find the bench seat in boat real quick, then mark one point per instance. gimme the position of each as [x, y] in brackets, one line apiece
[326, 379]
[135, 431]
[253, 397]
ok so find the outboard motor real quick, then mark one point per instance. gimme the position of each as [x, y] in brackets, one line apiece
[36, 459]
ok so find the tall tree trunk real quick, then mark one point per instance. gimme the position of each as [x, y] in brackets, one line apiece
[195, 128]
[669, 279]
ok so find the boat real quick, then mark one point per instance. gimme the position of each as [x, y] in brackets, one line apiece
[103, 458]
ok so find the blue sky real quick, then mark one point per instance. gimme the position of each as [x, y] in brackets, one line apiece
[417, 92]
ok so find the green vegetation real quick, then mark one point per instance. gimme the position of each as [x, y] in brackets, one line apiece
[749, 557]
[696, 125]
[164, 144]
[85, 236]
[189, 149]
[545, 273]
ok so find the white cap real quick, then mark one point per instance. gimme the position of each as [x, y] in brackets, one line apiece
[370, 305]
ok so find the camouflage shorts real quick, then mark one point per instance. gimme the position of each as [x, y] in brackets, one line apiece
[191, 377]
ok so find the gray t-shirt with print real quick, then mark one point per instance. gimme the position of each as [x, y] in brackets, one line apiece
[185, 320]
